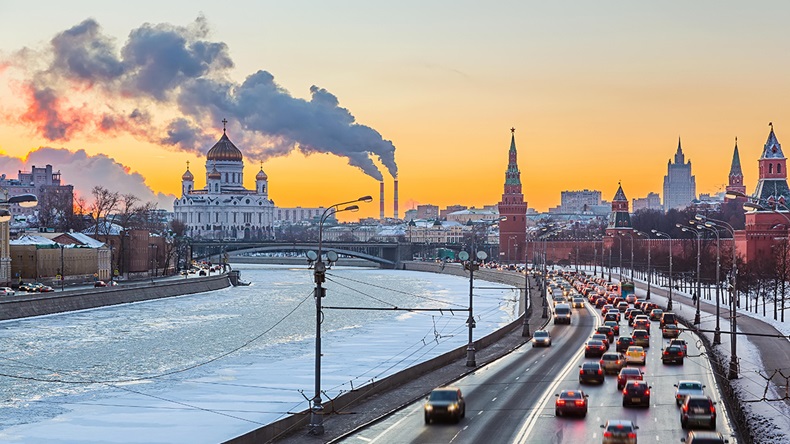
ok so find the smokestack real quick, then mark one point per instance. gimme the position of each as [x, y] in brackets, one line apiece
[381, 200]
[396, 198]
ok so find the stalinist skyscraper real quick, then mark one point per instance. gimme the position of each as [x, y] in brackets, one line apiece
[680, 187]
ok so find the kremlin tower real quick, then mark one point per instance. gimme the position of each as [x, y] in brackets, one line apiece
[512, 230]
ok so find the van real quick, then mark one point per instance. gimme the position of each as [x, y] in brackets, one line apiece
[562, 314]
[667, 318]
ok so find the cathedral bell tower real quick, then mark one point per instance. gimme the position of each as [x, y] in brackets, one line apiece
[512, 230]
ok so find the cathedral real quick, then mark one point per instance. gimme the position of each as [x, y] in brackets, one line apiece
[224, 209]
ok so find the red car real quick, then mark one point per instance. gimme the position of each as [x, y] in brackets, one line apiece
[45, 289]
[628, 374]
[99, 284]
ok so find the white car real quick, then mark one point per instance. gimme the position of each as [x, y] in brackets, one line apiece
[7, 291]
[685, 388]
[541, 338]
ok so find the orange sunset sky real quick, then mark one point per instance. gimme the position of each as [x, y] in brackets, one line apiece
[598, 92]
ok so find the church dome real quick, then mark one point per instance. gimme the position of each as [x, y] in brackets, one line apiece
[224, 150]
[214, 174]
[187, 176]
[261, 175]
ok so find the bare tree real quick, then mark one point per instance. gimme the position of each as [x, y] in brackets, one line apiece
[105, 202]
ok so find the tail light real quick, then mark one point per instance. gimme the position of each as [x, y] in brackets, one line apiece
[588, 347]
[560, 402]
[581, 372]
[666, 353]
[632, 435]
[618, 362]
[607, 434]
[647, 392]
[625, 391]
[685, 409]
[600, 372]
[579, 402]
[680, 354]
[712, 409]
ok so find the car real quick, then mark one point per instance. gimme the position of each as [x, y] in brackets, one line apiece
[594, 348]
[541, 338]
[672, 355]
[635, 355]
[621, 306]
[680, 343]
[600, 302]
[614, 326]
[687, 387]
[578, 302]
[591, 372]
[571, 401]
[628, 374]
[631, 298]
[697, 410]
[636, 393]
[641, 337]
[562, 314]
[633, 315]
[670, 331]
[642, 324]
[619, 431]
[559, 299]
[605, 309]
[603, 338]
[99, 284]
[667, 318]
[445, 402]
[697, 437]
[45, 289]
[655, 314]
[30, 287]
[623, 342]
[612, 315]
[606, 330]
[7, 291]
[612, 362]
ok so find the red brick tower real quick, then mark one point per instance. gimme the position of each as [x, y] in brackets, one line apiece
[736, 175]
[513, 230]
[619, 218]
[764, 226]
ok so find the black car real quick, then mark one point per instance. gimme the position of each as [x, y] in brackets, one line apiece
[445, 402]
[672, 355]
[570, 402]
[698, 410]
[636, 393]
[591, 372]
[623, 342]
[594, 348]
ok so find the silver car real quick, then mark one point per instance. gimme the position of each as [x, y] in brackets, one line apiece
[541, 338]
[685, 388]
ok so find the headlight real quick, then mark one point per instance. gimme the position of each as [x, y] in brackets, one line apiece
[428, 407]
[452, 407]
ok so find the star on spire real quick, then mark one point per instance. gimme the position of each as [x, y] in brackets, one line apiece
[512, 130]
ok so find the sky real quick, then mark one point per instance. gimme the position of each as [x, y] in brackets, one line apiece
[332, 95]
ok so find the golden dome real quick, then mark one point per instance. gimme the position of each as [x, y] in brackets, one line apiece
[224, 150]
[187, 175]
[214, 174]
[261, 175]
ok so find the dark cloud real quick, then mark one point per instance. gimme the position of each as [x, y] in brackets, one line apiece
[164, 69]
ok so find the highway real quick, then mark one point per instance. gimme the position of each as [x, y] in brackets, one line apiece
[512, 400]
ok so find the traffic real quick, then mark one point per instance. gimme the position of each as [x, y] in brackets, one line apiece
[639, 375]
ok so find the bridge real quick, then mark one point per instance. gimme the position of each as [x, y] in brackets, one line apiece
[386, 254]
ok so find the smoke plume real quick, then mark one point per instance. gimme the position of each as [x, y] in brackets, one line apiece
[83, 83]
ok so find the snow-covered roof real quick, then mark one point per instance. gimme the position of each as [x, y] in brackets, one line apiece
[86, 240]
[31, 239]
[105, 228]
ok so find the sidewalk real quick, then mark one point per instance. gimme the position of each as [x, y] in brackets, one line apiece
[336, 426]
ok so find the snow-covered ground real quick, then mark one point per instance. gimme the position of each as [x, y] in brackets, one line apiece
[264, 381]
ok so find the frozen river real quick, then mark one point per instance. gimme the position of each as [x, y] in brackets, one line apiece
[209, 367]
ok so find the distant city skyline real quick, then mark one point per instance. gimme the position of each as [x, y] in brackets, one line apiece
[602, 101]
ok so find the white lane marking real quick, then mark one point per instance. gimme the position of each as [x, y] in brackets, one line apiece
[493, 399]
[416, 408]
[529, 424]
[480, 412]
[363, 438]
[517, 377]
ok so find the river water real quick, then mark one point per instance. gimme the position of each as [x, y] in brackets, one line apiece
[208, 367]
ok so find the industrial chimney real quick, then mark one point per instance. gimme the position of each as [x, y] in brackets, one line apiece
[396, 198]
[381, 199]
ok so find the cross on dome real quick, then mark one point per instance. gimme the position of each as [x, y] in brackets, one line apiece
[224, 122]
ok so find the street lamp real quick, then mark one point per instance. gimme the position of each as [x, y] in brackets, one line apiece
[649, 255]
[316, 426]
[510, 256]
[471, 266]
[699, 249]
[661, 233]
[717, 332]
[62, 270]
[630, 235]
[733, 369]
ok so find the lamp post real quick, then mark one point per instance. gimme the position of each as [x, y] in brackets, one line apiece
[62, 270]
[717, 331]
[649, 255]
[630, 235]
[661, 233]
[470, 265]
[732, 372]
[699, 249]
[509, 256]
[316, 426]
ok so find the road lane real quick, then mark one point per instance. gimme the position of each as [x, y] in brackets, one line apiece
[499, 396]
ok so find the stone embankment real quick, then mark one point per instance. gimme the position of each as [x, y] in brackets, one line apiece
[27, 305]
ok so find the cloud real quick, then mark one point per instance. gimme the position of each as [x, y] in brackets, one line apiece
[88, 85]
[103, 170]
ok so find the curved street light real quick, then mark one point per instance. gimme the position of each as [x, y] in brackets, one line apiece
[699, 249]
[316, 426]
[660, 234]
[649, 255]
[717, 331]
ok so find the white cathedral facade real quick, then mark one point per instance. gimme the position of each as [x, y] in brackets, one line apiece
[224, 209]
